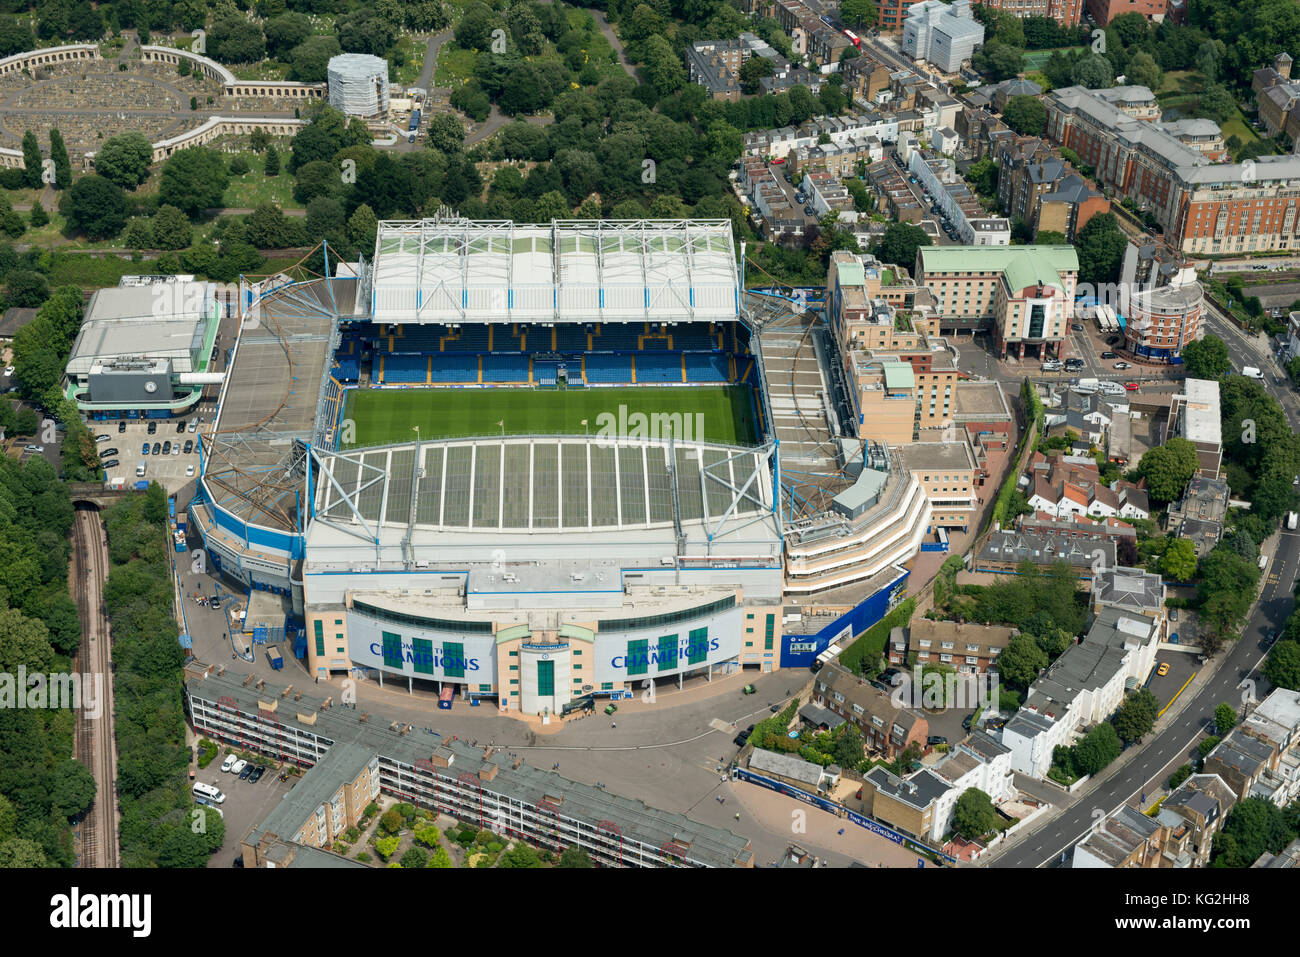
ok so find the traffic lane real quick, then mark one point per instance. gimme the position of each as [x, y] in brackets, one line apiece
[1169, 748]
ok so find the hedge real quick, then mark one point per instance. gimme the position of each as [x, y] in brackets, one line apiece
[871, 645]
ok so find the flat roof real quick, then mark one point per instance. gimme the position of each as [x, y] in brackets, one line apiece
[1022, 266]
[936, 455]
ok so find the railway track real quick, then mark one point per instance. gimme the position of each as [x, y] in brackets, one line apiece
[97, 835]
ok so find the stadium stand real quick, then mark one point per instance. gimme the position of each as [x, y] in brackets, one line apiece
[707, 367]
[444, 369]
[545, 371]
[570, 339]
[466, 339]
[604, 369]
[658, 367]
[505, 368]
[405, 369]
[617, 337]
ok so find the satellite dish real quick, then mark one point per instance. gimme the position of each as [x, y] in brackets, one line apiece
[151, 386]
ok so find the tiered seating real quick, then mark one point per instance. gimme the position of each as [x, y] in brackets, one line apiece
[504, 339]
[415, 339]
[454, 369]
[347, 370]
[655, 342]
[470, 339]
[658, 367]
[618, 337]
[399, 369]
[704, 367]
[694, 336]
[608, 369]
[545, 371]
[507, 368]
[570, 339]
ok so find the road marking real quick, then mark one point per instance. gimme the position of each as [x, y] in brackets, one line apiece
[1176, 694]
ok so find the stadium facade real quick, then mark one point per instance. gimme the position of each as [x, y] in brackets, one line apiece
[531, 570]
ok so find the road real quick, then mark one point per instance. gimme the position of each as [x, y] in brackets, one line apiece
[94, 744]
[1145, 770]
[603, 22]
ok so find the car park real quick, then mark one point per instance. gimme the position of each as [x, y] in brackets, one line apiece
[157, 448]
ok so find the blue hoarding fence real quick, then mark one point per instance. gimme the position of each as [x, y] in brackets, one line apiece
[788, 790]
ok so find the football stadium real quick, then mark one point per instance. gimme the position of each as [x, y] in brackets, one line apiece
[533, 465]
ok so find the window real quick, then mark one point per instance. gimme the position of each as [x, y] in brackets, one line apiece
[771, 625]
[320, 638]
[546, 678]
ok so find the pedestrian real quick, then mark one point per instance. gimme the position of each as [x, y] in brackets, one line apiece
[737, 815]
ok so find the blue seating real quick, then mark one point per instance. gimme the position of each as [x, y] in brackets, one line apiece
[507, 368]
[570, 338]
[608, 369]
[470, 339]
[658, 367]
[454, 369]
[418, 339]
[347, 370]
[706, 367]
[618, 337]
[693, 337]
[504, 340]
[545, 372]
[405, 369]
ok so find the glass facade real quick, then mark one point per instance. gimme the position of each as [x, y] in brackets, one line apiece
[392, 650]
[667, 652]
[453, 659]
[545, 678]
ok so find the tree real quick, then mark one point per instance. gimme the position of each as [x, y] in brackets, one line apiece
[285, 32]
[1136, 716]
[1225, 718]
[1217, 103]
[1093, 71]
[753, 71]
[25, 288]
[391, 821]
[973, 815]
[363, 226]
[32, 160]
[899, 244]
[446, 133]
[385, 847]
[848, 750]
[1179, 560]
[38, 216]
[1206, 358]
[983, 176]
[440, 858]
[998, 61]
[859, 13]
[574, 856]
[1098, 748]
[171, 228]
[428, 836]
[1168, 468]
[15, 36]
[21, 852]
[414, 858]
[124, 159]
[95, 207]
[1254, 825]
[62, 165]
[183, 848]
[193, 180]
[1282, 667]
[474, 29]
[309, 60]
[236, 40]
[1025, 114]
[271, 164]
[1100, 245]
[521, 855]
[1021, 661]
[73, 790]
[1142, 70]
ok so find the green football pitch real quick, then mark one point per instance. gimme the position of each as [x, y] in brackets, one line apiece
[722, 414]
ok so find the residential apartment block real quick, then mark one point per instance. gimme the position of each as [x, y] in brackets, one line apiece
[943, 35]
[967, 647]
[956, 200]
[886, 728]
[1194, 415]
[1204, 207]
[1164, 304]
[1066, 13]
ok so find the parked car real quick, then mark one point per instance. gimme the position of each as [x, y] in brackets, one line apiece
[111, 464]
[1112, 340]
[1173, 614]
[153, 427]
[1132, 386]
[1076, 327]
[611, 708]
[1163, 669]
[1122, 365]
[748, 689]
[965, 722]
[144, 449]
[176, 449]
[256, 775]
[189, 446]
[121, 427]
[107, 452]
[157, 448]
[245, 772]
[238, 766]
[189, 471]
[1110, 355]
[194, 427]
[34, 449]
[1270, 639]
[167, 448]
[229, 763]
[9, 370]
[180, 426]
[934, 739]
[103, 438]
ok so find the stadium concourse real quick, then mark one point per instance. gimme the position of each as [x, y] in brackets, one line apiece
[535, 465]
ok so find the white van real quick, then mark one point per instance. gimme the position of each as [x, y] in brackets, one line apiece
[229, 763]
[208, 792]
[1263, 562]
[139, 470]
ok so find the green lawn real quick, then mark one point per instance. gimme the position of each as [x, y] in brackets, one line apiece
[384, 417]
[255, 188]
[1034, 59]
[455, 65]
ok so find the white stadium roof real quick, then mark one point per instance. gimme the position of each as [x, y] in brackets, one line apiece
[443, 271]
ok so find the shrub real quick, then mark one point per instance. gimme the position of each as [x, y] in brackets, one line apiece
[391, 822]
[385, 846]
